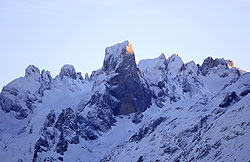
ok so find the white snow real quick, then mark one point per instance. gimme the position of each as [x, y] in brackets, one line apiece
[63, 94]
[32, 71]
[115, 50]
[153, 69]
[174, 64]
[229, 125]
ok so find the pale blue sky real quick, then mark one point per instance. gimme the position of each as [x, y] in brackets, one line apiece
[51, 33]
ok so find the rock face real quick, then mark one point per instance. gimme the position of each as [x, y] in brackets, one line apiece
[210, 63]
[32, 71]
[125, 84]
[159, 110]
[146, 130]
[19, 98]
[68, 71]
[46, 81]
[229, 99]
[170, 79]
[117, 90]
[58, 132]
[118, 86]
[119, 57]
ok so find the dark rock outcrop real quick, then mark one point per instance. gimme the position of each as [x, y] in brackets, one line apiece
[245, 92]
[47, 137]
[20, 98]
[232, 97]
[17, 102]
[125, 84]
[68, 71]
[59, 132]
[46, 82]
[146, 130]
[211, 63]
[79, 76]
[32, 71]
[140, 159]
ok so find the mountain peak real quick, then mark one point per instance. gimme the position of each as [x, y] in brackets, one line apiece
[160, 110]
[116, 50]
[117, 55]
[129, 49]
[162, 56]
[174, 56]
[124, 93]
[68, 71]
[32, 71]
[174, 64]
[209, 62]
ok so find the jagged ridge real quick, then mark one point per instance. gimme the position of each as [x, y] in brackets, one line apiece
[124, 109]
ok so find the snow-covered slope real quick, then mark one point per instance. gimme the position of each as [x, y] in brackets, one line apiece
[159, 110]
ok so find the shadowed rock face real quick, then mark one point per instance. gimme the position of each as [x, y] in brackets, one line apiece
[229, 99]
[68, 71]
[211, 63]
[131, 94]
[125, 85]
[20, 100]
[32, 71]
[124, 93]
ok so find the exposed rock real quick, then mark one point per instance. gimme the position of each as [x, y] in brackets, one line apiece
[60, 158]
[146, 130]
[137, 118]
[217, 144]
[16, 101]
[211, 63]
[32, 71]
[95, 74]
[159, 102]
[245, 92]
[203, 151]
[131, 95]
[87, 76]
[50, 159]
[59, 132]
[170, 150]
[140, 159]
[79, 76]
[208, 63]
[119, 88]
[170, 79]
[48, 136]
[62, 145]
[50, 119]
[124, 93]
[119, 57]
[46, 80]
[68, 71]
[229, 99]
[97, 120]
[20, 96]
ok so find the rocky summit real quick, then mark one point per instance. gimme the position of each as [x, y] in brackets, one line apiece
[160, 109]
[124, 84]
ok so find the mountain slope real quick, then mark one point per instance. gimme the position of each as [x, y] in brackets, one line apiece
[159, 110]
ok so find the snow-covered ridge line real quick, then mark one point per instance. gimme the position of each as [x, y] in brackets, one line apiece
[159, 110]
